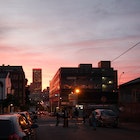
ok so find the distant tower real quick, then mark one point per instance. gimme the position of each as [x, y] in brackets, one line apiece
[37, 80]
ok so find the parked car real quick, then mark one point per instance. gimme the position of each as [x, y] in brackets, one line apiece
[105, 117]
[14, 127]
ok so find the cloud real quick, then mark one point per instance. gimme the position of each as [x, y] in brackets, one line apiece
[53, 34]
[8, 49]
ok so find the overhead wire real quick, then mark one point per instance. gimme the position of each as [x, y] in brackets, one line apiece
[125, 51]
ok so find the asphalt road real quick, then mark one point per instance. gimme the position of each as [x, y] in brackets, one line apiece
[78, 131]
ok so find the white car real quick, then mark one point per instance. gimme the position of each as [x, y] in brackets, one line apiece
[14, 127]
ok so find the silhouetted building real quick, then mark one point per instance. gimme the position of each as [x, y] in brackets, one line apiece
[129, 100]
[17, 77]
[96, 85]
[5, 85]
[37, 81]
[5, 88]
[130, 91]
[27, 92]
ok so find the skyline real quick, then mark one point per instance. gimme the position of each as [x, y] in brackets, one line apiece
[50, 34]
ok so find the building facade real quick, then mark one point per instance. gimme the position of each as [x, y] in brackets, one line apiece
[5, 85]
[129, 100]
[96, 84]
[37, 80]
[5, 88]
[130, 91]
[17, 77]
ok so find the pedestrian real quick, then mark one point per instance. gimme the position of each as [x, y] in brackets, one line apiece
[93, 120]
[57, 118]
[84, 115]
[35, 117]
[65, 115]
[76, 114]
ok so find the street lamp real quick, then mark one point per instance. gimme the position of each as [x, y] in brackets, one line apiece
[58, 99]
[11, 107]
[119, 98]
[120, 77]
[77, 91]
[73, 97]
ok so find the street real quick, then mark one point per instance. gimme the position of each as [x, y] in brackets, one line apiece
[47, 130]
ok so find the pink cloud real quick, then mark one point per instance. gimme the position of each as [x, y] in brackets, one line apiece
[51, 58]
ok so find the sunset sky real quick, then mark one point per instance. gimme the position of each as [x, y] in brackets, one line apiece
[50, 34]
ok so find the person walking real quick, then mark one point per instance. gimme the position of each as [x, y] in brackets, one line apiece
[65, 117]
[76, 114]
[94, 120]
[84, 115]
[57, 118]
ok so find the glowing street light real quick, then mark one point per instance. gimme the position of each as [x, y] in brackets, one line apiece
[73, 96]
[77, 90]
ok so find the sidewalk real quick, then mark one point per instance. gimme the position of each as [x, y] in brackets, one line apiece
[130, 125]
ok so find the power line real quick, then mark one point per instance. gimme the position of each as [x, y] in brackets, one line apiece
[125, 51]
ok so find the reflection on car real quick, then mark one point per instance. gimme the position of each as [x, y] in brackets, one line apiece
[105, 117]
[27, 116]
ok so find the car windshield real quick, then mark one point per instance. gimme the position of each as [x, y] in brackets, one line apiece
[108, 113]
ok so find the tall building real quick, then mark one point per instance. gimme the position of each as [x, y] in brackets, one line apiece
[37, 80]
[97, 85]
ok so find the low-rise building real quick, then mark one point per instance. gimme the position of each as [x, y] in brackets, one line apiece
[96, 85]
[5, 85]
[17, 77]
[5, 88]
[129, 100]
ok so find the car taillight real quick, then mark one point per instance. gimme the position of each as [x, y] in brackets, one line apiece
[14, 137]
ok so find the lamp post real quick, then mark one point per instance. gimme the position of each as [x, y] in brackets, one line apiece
[11, 107]
[120, 77]
[77, 91]
[73, 97]
[58, 99]
[119, 98]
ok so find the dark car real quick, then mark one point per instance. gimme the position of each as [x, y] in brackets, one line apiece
[105, 117]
